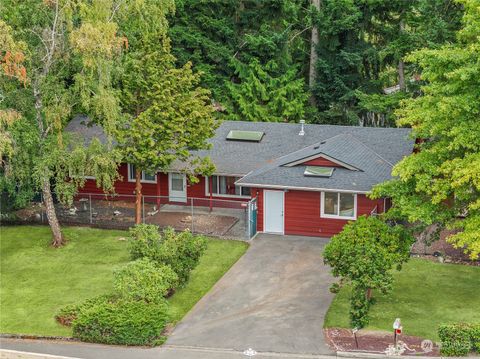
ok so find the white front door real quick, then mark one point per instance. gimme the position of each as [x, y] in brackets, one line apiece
[177, 187]
[273, 211]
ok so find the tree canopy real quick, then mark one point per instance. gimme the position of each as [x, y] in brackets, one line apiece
[440, 182]
[62, 70]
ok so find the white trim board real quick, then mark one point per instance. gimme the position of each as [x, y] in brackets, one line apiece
[142, 180]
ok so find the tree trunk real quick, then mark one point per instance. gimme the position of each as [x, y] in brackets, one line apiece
[138, 196]
[312, 75]
[52, 215]
[401, 64]
[369, 293]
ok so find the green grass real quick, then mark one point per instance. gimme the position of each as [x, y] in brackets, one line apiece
[217, 260]
[425, 295]
[37, 280]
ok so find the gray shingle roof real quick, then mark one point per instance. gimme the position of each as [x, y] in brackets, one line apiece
[83, 128]
[369, 168]
[372, 150]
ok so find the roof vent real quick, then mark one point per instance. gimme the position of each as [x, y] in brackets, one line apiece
[302, 130]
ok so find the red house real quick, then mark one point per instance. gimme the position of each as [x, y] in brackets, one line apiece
[307, 179]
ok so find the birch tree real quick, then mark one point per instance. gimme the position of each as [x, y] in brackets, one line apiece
[69, 48]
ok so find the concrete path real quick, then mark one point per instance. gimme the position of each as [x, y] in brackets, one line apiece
[273, 300]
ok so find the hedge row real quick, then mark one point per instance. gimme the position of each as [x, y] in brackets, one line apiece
[136, 313]
[459, 339]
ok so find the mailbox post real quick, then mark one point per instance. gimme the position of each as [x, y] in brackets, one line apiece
[397, 330]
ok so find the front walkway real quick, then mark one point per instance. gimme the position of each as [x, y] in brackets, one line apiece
[273, 300]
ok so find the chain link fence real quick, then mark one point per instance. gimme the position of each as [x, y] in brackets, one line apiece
[215, 217]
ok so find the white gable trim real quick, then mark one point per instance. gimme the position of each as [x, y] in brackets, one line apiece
[321, 155]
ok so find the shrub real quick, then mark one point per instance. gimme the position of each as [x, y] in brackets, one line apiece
[145, 241]
[143, 280]
[69, 313]
[122, 322]
[459, 339]
[363, 254]
[181, 251]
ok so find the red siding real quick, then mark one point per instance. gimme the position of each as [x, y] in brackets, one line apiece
[194, 190]
[302, 213]
[321, 162]
[122, 186]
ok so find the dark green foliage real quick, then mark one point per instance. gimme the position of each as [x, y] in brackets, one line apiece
[263, 93]
[122, 322]
[364, 254]
[144, 280]
[359, 48]
[68, 314]
[459, 339]
[181, 251]
[251, 55]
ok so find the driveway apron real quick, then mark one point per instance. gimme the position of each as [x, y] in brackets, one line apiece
[274, 299]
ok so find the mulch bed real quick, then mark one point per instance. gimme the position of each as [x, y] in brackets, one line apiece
[440, 250]
[202, 223]
[121, 214]
[340, 339]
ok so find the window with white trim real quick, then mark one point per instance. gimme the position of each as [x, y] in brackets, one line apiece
[339, 205]
[225, 186]
[144, 178]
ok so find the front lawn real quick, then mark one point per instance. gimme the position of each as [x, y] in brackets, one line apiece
[37, 280]
[425, 295]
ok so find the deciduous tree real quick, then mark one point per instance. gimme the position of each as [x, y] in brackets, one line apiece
[440, 182]
[68, 49]
[363, 255]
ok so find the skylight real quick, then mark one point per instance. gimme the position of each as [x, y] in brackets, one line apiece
[317, 171]
[249, 136]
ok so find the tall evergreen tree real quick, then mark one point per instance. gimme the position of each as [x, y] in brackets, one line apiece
[246, 49]
[167, 115]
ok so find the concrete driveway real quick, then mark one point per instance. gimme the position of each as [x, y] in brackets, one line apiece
[274, 299]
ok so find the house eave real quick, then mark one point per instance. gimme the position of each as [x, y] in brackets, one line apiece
[298, 188]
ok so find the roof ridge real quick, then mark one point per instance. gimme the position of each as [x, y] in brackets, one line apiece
[278, 161]
[376, 153]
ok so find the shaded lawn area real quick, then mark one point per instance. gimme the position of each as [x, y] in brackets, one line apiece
[37, 280]
[425, 295]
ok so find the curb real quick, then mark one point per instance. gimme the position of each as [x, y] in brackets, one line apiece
[36, 337]
[15, 354]
[377, 356]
